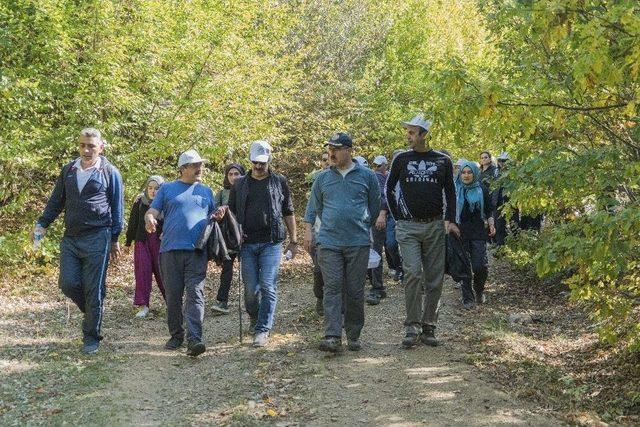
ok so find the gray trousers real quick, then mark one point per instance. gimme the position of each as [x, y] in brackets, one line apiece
[423, 260]
[343, 270]
[184, 272]
[375, 274]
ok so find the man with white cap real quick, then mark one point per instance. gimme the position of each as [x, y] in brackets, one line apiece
[379, 234]
[417, 205]
[186, 205]
[499, 199]
[90, 191]
[261, 201]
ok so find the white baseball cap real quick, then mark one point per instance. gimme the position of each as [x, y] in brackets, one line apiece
[419, 121]
[380, 160]
[190, 156]
[260, 151]
[361, 161]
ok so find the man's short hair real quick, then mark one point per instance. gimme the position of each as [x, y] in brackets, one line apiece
[92, 133]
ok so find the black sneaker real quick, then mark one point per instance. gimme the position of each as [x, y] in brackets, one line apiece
[196, 348]
[331, 344]
[319, 307]
[221, 307]
[373, 299]
[173, 344]
[354, 345]
[399, 276]
[410, 340]
[468, 305]
[428, 336]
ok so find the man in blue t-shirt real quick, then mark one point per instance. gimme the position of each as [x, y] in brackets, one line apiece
[186, 205]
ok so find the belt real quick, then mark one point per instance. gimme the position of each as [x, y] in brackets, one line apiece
[426, 220]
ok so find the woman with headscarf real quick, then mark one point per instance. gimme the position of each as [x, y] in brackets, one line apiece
[475, 217]
[146, 256]
[231, 172]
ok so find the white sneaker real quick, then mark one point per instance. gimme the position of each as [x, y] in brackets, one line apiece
[391, 273]
[143, 312]
[260, 339]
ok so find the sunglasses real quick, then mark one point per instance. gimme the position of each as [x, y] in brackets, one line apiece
[259, 163]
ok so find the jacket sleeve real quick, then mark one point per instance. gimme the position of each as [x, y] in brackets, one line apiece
[132, 226]
[489, 208]
[390, 193]
[314, 205]
[287, 202]
[56, 201]
[233, 196]
[116, 197]
[449, 192]
[374, 197]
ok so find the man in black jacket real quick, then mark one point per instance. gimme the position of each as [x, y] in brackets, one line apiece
[262, 203]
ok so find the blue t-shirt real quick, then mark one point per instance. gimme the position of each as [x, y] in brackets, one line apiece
[186, 208]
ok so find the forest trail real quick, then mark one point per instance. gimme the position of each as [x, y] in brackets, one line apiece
[289, 382]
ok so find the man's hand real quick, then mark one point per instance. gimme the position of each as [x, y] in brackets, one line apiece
[308, 239]
[293, 247]
[453, 228]
[150, 223]
[381, 222]
[115, 251]
[492, 230]
[220, 212]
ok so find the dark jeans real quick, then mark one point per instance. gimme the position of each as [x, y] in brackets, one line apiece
[83, 271]
[477, 250]
[226, 276]
[391, 247]
[183, 272]
[501, 230]
[375, 274]
[343, 270]
[318, 282]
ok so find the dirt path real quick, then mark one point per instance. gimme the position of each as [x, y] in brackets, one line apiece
[291, 382]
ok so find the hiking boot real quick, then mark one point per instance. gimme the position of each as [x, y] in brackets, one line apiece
[319, 307]
[260, 339]
[195, 348]
[399, 276]
[90, 347]
[173, 343]
[468, 305]
[410, 340]
[392, 273]
[331, 344]
[143, 312]
[457, 285]
[373, 299]
[428, 336]
[221, 307]
[481, 298]
[354, 345]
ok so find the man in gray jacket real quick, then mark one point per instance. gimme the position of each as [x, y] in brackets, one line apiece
[346, 198]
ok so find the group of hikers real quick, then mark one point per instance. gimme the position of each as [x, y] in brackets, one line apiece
[354, 213]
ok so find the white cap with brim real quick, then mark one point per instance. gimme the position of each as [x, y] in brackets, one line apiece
[380, 160]
[190, 156]
[504, 156]
[419, 121]
[260, 151]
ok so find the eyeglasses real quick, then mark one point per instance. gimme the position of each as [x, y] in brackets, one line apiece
[259, 163]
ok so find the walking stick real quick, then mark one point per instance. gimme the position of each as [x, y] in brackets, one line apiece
[240, 297]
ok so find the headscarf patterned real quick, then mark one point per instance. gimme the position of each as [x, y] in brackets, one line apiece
[472, 192]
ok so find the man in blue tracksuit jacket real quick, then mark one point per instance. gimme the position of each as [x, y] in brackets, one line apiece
[90, 191]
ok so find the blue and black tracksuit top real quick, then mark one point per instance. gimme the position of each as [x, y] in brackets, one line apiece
[99, 205]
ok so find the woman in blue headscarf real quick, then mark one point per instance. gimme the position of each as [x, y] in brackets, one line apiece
[475, 218]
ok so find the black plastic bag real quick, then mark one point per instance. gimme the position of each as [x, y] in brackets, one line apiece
[458, 264]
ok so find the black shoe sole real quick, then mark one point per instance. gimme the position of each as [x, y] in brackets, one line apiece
[172, 347]
[196, 349]
[373, 301]
[330, 349]
[430, 343]
[410, 344]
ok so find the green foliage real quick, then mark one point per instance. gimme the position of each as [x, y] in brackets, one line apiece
[556, 83]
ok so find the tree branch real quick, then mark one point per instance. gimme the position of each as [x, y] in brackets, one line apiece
[562, 107]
